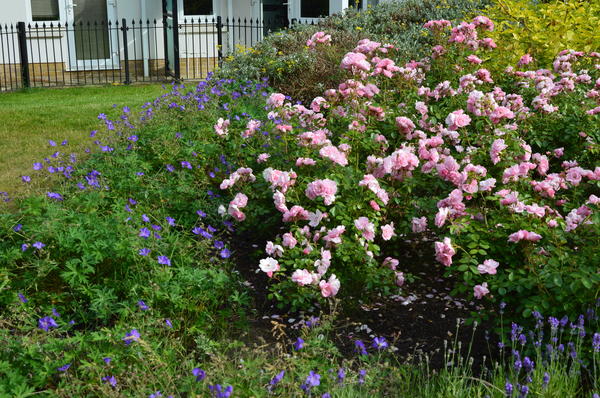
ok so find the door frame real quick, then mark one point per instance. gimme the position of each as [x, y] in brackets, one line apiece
[112, 62]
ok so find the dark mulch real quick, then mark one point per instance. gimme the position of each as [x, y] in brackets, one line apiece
[420, 321]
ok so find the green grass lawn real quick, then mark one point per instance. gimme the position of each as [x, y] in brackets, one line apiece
[28, 119]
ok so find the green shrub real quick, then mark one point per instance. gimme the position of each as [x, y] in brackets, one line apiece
[285, 59]
[543, 29]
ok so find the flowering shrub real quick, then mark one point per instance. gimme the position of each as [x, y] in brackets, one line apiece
[501, 170]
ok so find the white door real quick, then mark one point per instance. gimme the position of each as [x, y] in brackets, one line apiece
[93, 43]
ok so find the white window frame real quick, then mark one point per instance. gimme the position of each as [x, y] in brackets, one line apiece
[182, 15]
[61, 14]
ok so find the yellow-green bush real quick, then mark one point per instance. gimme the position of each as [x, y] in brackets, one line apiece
[543, 29]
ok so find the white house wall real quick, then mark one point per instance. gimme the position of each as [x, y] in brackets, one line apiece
[196, 40]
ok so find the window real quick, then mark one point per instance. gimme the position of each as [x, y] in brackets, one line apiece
[198, 7]
[356, 4]
[314, 8]
[45, 10]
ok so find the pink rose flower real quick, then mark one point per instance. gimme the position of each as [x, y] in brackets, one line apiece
[457, 119]
[387, 231]
[481, 290]
[302, 277]
[331, 287]
[269, 265]
[444, 252]
[289, 240]
[419, 224]
[276, 100]
[524, 235]
[488, 267]
[322, 188]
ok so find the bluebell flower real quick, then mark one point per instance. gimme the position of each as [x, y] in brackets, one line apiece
[170, 221]
[22, 298]
[142, 305]
[341, 375]
[107, 360]
[145, 218]
[596, 342]
[170, 168]
[55, 313]
[168, 323]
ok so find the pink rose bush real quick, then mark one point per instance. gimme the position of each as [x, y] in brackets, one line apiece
[496, 174]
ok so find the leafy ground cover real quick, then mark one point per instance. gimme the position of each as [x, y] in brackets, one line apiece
[224, 240]
[30, 118]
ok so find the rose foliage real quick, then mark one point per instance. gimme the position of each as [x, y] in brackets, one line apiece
[497, 176]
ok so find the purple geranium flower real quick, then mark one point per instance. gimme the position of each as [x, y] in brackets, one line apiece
[55, 196]
[38, 166]
[164, 260]
[110, 380]
[218, 244]
[277, 378]
[199, 374]
[201, 213]
[298, 344]
[168, 323]
[170, 168]
[64, 367]
[142, 305]
[312, 380]
[380, 343]
[360, 347]
[22, 298]
[46, 323]
[219, 392]
[26, 178]
[225, 253]
[170, 221]
[39, 245]
[107, 360]
[131, 336]
[145, 218]
[144, 252]
[186, 165]
[144, 233]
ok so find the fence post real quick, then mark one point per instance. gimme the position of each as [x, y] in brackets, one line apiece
[125, 50]
[220, 40]
[22, 38]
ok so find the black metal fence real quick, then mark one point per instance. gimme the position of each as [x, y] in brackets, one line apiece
[62, 54]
